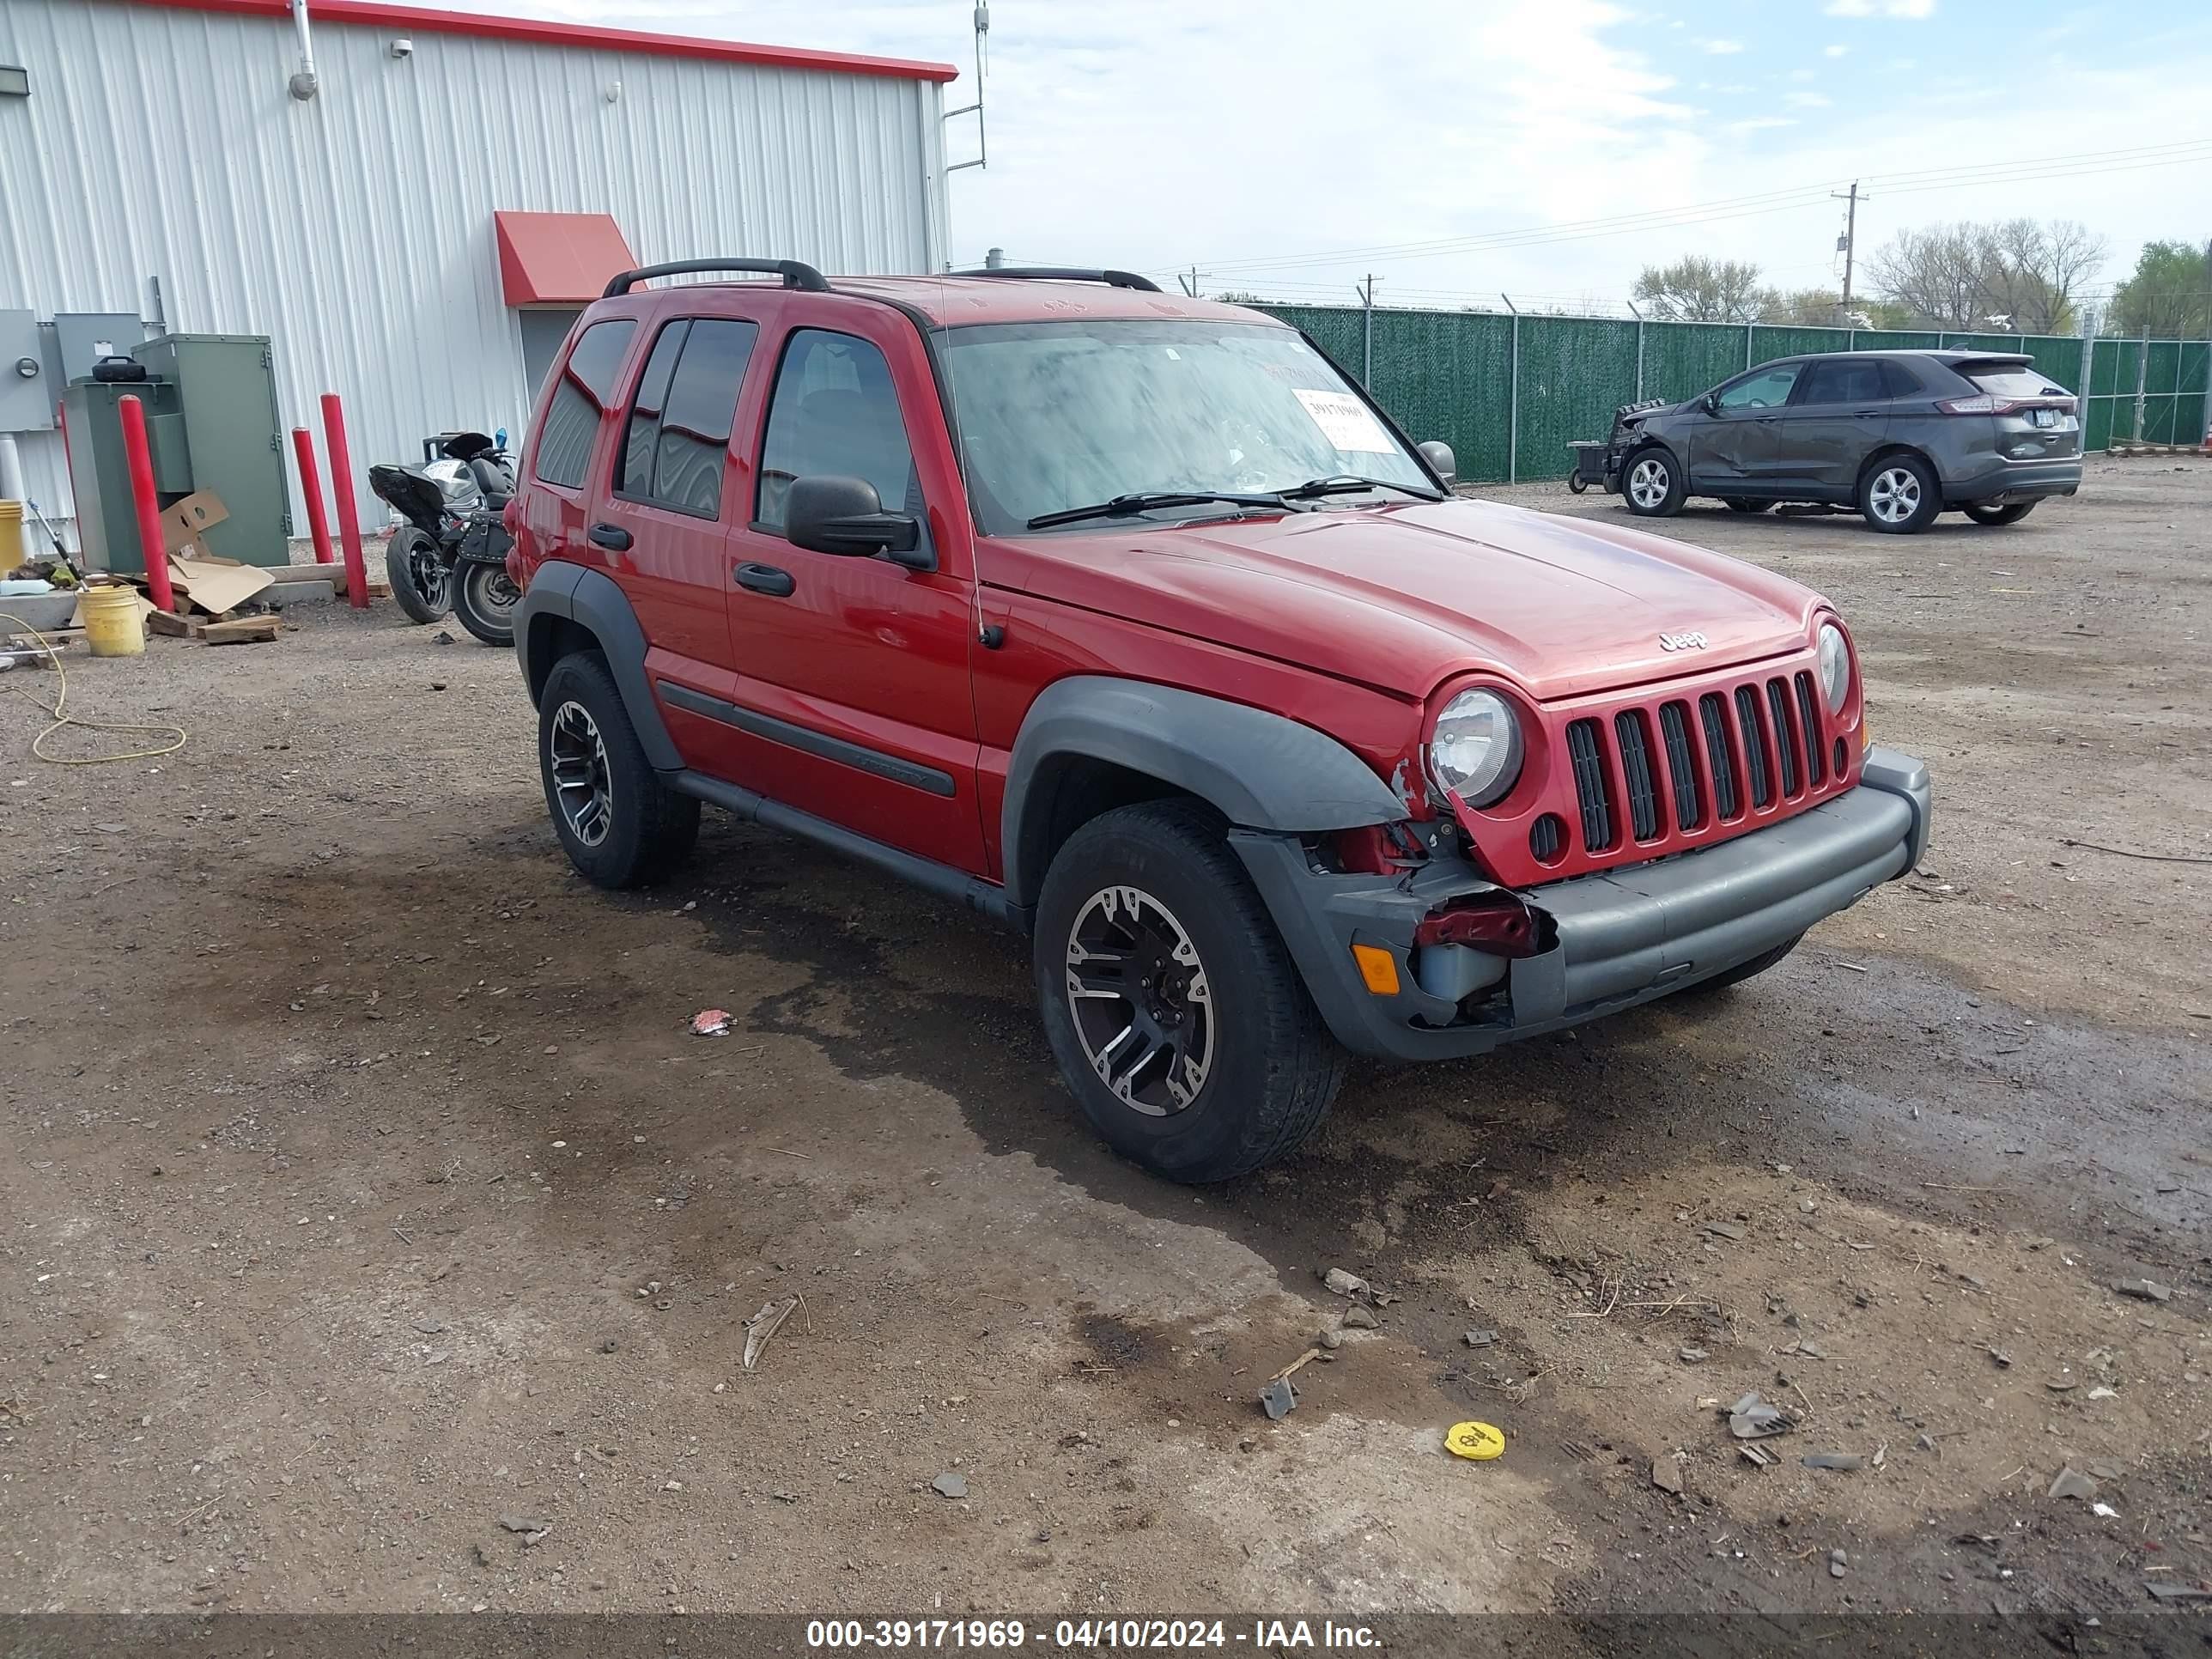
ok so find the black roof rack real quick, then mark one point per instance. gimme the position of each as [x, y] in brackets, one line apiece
[1067, 274]
[794, 274]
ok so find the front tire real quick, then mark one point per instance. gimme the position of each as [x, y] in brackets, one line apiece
[1652, 484]
[420, 577]
[1177, 1018]
[484, 597]
[619, 824]
[1900, 495]
[2012, 513]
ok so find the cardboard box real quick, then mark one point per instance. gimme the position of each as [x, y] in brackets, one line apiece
[184, 522]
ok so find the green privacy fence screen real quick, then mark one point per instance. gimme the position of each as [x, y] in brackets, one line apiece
[1510, 394]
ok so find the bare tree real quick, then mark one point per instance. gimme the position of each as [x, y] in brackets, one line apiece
[1696, 290]
[1805, 307]
[1935, 273]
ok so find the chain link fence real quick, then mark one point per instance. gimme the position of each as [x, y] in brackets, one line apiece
[1509, 394]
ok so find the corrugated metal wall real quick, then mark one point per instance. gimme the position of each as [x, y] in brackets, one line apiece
[356, 230]
[1449, 374]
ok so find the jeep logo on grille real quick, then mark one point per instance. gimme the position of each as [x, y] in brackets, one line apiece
[1682, 642]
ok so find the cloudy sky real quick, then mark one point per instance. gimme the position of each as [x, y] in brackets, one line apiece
[1459, 147]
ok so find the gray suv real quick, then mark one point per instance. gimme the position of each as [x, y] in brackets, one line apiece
[1900, 435]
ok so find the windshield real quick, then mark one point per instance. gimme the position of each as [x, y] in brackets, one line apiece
[1055, 416]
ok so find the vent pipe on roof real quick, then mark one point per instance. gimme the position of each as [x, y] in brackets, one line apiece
[303, 80]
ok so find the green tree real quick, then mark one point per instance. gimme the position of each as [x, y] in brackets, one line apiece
[1696, 290]
[2170, 292]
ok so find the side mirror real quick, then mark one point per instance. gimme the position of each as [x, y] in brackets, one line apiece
[1710, 403]
[828, 514]
[1438, 454]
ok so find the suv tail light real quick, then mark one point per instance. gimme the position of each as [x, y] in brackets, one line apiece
[1988, 403]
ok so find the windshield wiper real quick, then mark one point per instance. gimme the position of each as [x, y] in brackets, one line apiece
[1144, 501]
[1345, 484]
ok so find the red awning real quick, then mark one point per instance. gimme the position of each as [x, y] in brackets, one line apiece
[558, 258]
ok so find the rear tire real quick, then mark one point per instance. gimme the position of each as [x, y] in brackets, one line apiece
[1900, 495]
[2011, 513]
[619, 824]
[484, 597]
[420, 577]
[1219, 1063]
[1652, 484]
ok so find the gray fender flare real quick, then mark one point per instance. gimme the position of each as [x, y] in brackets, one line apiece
[591, 599]
[1262, 770]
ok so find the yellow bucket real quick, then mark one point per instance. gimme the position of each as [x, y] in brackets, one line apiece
[112, 624]
[13, 550]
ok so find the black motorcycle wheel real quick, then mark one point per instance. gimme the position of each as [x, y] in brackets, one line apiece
[484, 598]
[419, 573]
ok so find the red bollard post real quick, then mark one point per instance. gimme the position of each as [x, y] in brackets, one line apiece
[334, 440]
[303, 448]
[141, 461]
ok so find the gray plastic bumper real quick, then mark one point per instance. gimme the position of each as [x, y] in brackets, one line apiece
[1619, 938]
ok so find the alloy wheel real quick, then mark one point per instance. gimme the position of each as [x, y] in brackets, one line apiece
[1647, 483]
[1894, 496]
[426, 566]
[1140, 1000]
[578, 758]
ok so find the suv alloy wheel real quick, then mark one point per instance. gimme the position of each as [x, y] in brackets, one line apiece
[1178, 1018]
[619, 824]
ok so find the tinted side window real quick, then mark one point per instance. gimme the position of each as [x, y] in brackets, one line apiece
[572, 419]
[1767, 389]
[1851, 381]
[1900, 381]
[835, 411]
[679, 422]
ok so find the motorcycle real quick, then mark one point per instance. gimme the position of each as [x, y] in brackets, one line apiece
[450, 552]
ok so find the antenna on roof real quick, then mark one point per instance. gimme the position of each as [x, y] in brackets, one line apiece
[975, 109]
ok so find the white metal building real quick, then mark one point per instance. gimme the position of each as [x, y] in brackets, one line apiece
[394, 233]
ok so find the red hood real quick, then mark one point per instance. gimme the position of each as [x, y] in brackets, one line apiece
[1404, 597]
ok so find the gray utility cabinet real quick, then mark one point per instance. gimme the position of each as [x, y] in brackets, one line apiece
[227, 397]
[211, 408]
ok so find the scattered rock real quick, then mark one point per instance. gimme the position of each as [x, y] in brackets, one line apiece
[525, 1523]
[1331, 1339]
[2143, 1290]
[1357, 1318]
[2070, 1482]
[1845, 1461]
[1754, 1418]
[1481, 1339]
[1279, 1399]
[2162, 1591]
[430, 1327]
[1694, 1356]
[1838, 1562]
[1806, 1206]
[951, 1486]
[1341, 1283]
[1998, 1354]
[2102, 1393]
[1667, 1475]
[1723, 1229]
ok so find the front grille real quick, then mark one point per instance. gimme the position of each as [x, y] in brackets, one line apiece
[1546, 837]
[1712, 714]
[1809, 722]
[1754, 745]
[1681, 772]
[1590, 794]
[1636, 765]
[1785, 739]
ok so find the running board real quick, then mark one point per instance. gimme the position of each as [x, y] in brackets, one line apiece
[928, 874]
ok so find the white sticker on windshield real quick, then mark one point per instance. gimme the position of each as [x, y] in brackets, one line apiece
[1344, 421]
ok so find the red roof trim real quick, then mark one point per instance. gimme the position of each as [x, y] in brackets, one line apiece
[541, 33]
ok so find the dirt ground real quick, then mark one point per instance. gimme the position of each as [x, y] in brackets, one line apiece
[376, 1238]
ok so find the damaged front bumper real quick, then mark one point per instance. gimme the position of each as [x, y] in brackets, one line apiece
[1614, 939]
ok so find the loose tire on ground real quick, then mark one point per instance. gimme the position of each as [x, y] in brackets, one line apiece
[417, 574]
[1900, 495]
[2012, 513]
[1272, 1068]
[1652, 484]
[619, 824]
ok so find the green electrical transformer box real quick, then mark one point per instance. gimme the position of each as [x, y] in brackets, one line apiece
[211, 424]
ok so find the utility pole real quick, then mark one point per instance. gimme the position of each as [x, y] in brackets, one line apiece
[1189, 284]
[1367, 332]
[1851, 237]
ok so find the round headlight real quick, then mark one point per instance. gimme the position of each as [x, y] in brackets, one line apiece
[1475, 752]
[1835, 667]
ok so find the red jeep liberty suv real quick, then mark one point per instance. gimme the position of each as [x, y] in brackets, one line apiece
[1132, 621]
